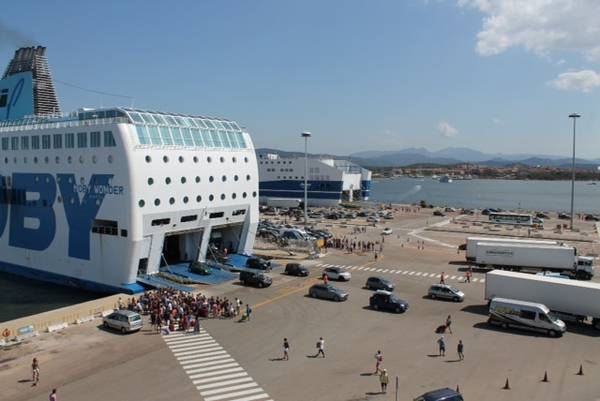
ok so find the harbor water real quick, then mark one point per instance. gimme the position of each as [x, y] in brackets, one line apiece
[506, 194]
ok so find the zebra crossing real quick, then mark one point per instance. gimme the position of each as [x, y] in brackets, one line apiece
[402, 272]
[215, 374]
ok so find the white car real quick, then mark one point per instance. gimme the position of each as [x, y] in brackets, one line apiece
[387, 231]
[335, 273]
[373, 219]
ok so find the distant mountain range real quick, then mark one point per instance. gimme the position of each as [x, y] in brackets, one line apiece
[449, 156]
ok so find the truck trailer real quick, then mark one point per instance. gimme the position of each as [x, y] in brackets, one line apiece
[471, 246]
[545, 257]
[570, 300]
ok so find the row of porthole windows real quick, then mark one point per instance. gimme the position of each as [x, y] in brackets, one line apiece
[185, 199]
[196, 159]
[46, 159]
[210, 179]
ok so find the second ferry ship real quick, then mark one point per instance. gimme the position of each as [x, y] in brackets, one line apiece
[97, 197]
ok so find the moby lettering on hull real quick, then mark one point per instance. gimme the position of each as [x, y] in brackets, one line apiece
[80, 214]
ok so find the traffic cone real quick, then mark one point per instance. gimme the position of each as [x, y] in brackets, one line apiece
[506, 385]
[580, 373]
[457, 389]
[545, 379]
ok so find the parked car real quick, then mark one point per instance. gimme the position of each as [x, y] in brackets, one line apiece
[438, 213]
[379, 283]
[123, 320]
[258, 263]
[591, 217]
[296, 269]
[385, 300]
[449, 209]
[255, 279]
[387, 231]
[564, 216]
[373, 219]
[200, 268]
[467, 211]
[443, 394]
[337, 273]
[327, 291]
[444, 291]
[541, 215]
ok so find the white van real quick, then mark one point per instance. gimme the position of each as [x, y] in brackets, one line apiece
[525, 315]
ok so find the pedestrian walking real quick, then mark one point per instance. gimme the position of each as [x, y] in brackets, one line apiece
[449, 323]
[378, 361]
[197, 325]
[286, 350]
[325, 279]
[443, 278]
[460, 348]
[320, 347]
[53, 396]
[442, 346]
[384, 379]
[35, 372]
[248, 312]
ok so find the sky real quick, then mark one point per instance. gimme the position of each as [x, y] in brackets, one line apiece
[500, 76]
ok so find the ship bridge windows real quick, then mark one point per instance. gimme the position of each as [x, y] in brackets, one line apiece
[95, 139]
[45, 141]
[14, 143]
[82, 139]
[5, 143]
[109, 139]
[25, 142]
[69, 141]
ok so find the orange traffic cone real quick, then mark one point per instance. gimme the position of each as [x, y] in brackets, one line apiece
[580, 373]
[545, 379]
[506, 385]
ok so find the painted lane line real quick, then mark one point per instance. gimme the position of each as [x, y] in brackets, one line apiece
[226, 383]
[233, 388]
[360, 268]
[178, 351]
[475, 280]
[452, 277]
[231, 395]
[411, 273]
[253, 397]
[222, 377]
[198, 362]
[482, 280]
[438, 275]
[405, 272]
[398, 271]
[197, 357]
[189, 340]
[171, 336]
[418, 273]
[200, 341]
[206, 350]
[385, 270]
[195, 372]
[211, 363]
[217, 373]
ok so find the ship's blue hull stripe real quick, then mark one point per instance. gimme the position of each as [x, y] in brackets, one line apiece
[42, 275]
[298, 185]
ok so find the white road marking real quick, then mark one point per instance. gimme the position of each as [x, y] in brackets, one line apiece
[385, 270]
[452, 277]
[418, 273]
[411, 273]
[405, 272]
[474, 280]
[216, 375]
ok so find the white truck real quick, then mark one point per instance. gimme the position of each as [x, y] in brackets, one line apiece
[570, 300]
[471, 246]
[533, 256]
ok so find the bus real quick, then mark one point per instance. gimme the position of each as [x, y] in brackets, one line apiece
[511, 218]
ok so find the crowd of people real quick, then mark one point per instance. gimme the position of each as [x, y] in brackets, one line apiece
[173, 310]
[353, 244]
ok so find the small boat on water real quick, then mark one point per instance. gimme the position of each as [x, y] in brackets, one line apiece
[446, 179]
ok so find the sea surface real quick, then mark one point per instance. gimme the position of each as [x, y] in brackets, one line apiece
[506, 194]
[23, 297]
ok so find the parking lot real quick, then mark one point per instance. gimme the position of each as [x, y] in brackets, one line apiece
[352, 331]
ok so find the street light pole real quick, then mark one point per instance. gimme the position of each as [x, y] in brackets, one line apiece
[574, 116]
[306, 135]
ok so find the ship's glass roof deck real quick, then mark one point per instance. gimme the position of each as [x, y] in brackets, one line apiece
[152, 128]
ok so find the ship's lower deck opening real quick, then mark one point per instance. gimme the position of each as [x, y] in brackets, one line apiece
[181, 247]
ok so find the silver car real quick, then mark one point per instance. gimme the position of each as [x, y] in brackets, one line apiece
[123, 320]
[444, 291]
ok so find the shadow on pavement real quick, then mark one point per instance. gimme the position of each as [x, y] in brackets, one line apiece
[476, 309]
[509, 331]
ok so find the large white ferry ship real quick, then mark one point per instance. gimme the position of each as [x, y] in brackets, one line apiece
[97, 197]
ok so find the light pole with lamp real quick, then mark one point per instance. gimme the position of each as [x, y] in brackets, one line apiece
[574, 116]
[306, 135]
